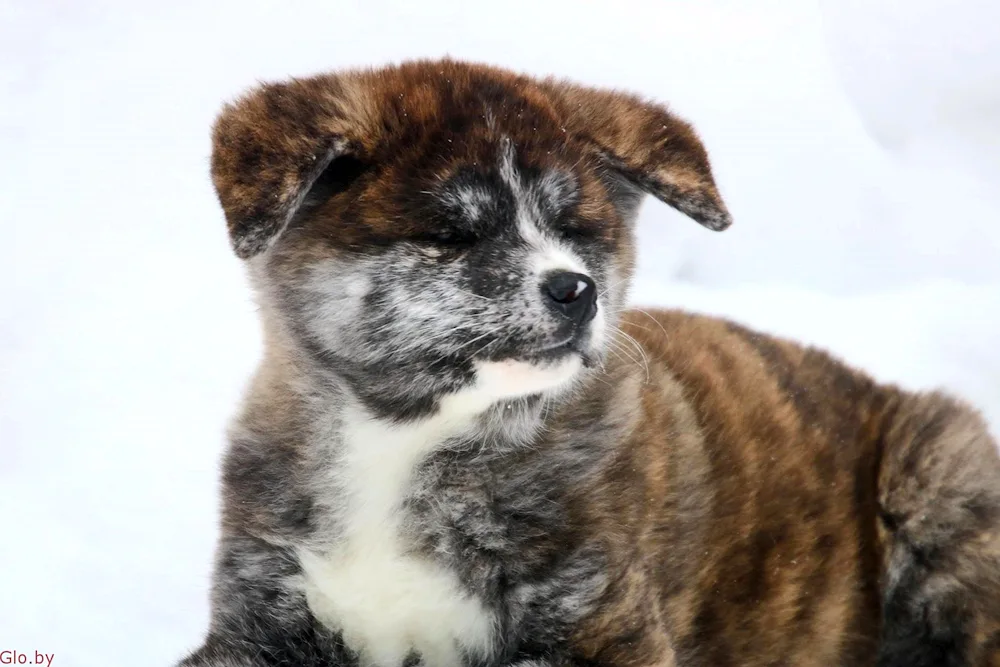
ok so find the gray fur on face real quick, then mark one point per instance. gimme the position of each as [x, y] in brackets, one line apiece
[405, 324]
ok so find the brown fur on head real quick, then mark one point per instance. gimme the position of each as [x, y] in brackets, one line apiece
[416, 122]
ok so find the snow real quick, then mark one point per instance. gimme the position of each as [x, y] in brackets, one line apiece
[855, 141]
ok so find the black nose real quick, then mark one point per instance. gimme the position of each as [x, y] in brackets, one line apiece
[572, 294]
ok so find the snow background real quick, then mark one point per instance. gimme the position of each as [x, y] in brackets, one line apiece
[856, 142]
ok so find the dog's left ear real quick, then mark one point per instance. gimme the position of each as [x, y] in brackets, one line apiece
[653, 149]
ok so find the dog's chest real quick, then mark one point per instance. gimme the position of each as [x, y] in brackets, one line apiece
[388, 602]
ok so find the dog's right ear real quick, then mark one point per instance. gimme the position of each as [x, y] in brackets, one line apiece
[645, 143]
[270, 146]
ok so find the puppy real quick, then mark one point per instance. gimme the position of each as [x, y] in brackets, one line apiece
[460, 449]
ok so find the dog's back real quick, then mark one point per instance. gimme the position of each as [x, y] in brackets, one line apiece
[821, 518]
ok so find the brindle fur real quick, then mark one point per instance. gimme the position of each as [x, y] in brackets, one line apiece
[705, 495]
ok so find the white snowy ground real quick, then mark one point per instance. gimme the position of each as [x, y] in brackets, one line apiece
[855, 140]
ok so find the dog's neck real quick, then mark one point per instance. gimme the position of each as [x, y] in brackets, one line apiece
[462, 419]
[470, 416]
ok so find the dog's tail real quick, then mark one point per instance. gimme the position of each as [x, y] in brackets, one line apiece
[939, 501]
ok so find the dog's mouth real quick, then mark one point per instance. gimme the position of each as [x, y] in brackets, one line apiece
[565, 346]
[578, 346]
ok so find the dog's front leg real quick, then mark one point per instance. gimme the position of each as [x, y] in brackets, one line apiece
[259, 614]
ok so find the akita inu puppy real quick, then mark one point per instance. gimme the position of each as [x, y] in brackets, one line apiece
[462, 449]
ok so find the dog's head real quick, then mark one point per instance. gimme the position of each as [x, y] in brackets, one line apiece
[439, 227]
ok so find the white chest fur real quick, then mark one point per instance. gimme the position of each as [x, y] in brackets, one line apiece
[385, 602]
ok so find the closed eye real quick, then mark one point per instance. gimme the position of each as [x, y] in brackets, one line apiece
[450, 238]
[574, 231]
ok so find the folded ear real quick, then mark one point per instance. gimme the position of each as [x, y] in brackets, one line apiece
[268, 149]
[649, 146]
